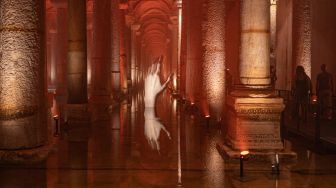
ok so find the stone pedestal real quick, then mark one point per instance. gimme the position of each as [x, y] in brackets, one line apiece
[254, 120]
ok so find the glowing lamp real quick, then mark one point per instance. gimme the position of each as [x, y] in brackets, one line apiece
[207, 117]
[242, 156]
[244, 153]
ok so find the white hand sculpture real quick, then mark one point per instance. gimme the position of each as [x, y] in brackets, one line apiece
[153, 85]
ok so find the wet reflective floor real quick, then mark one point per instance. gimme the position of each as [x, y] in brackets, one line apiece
[127, 145]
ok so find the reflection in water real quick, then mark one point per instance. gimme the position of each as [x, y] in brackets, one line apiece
[153, 128]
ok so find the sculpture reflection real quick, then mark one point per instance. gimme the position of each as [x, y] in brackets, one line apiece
[153, 87]
[153, 128]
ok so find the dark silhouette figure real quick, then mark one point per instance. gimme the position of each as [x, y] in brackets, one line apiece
[324, 91]
[301, 91]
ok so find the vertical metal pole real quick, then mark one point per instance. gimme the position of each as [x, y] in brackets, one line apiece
[241, 165]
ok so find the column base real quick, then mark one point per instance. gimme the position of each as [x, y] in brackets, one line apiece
[284, 155]
[254, 120]
[22, 133]
[27, 156]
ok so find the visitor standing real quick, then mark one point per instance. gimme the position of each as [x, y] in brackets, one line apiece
[301, 91]
[324, 91]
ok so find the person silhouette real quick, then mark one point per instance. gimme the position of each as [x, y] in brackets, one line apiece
[301, 90]
[324, 91]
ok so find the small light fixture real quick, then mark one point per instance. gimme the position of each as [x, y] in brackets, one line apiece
[207, 118]
[56, 118]
[243, 155]
[276, 166]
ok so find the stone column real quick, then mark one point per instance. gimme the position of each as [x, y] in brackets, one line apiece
[194, 51]
[61, 48]
[302, 34]
[255, 43]
[77, 63]
[128, 46]
[213, 67]
[134, 29]
[123, 51]
[23, 109]
[115, 51]
[183, 52]
[174, 49]
[51, 50]
[101, 50]
[77, 81]
[90, 50]
[253, 111]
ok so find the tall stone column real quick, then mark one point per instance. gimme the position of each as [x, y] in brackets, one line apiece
[134, 29]
[183, 10]
[101, 50]
[51, 48]
[61, 48]
[22, 75]
[302, 34]
[194, 51]
[174, 49]
[123, 52]
[115, 48]
[128, 58]
[77, 66]
[213, 67]
[253, 111]
[255, 43]
[77, 63]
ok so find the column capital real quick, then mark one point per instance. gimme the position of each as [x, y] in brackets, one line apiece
[135, 27]
[123, 6]
[179, 3]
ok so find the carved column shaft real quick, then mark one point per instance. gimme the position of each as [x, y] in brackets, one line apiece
[22, 74]
[255, 45]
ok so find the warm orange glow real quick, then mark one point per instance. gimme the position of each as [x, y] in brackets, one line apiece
[243, 153]
[55, 117]
[207, 116]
